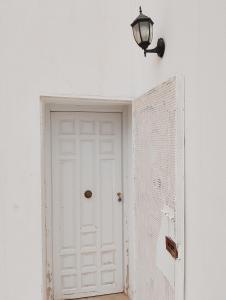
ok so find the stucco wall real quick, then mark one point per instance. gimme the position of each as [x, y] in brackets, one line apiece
[81, 47]
[192, 29]
[155, 156]
[64, 48]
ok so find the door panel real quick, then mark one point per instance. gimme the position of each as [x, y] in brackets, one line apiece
[158, 172]
[87, 232]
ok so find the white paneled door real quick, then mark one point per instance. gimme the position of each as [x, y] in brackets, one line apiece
[86, 212]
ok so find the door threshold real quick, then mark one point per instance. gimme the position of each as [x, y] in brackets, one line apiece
[118, 296]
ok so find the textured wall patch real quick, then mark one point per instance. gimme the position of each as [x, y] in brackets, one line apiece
[154, 126]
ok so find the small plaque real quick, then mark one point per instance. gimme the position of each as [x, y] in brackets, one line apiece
[171, 247]
[88, 194]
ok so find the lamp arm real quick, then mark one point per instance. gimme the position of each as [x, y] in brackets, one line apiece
[154, 50]
[159, 49]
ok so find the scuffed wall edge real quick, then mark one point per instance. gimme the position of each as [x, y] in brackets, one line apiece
[180, 187]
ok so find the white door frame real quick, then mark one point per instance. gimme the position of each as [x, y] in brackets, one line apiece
[50, 104]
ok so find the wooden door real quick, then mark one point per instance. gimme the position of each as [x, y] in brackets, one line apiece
[87, 216]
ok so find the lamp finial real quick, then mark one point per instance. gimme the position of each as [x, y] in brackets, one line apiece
[140, 10]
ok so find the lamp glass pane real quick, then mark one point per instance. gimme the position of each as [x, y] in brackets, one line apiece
[151, 33]
[144, 30]
[136, 33]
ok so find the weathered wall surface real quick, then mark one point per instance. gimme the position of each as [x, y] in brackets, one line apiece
[191, 29]
[49, 48]
[155, 158]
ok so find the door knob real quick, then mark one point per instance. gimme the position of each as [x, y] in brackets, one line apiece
[88, 194]
[119, 197]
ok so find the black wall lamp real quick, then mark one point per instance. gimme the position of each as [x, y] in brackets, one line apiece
[143, 33]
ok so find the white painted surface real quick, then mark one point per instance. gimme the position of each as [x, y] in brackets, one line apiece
[164, 262]
[45, 52]
[87, 233]
[48, 50]
[159, 179]
[189, 51]
[87, 105]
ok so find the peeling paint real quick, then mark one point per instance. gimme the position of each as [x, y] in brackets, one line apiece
[127, 280]
[126, 284]
[49, 293]
[155, 185]
[49, 290]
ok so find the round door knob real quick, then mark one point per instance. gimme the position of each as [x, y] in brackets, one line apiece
[88, 194]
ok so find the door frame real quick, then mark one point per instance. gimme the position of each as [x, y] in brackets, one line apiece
[51, 104]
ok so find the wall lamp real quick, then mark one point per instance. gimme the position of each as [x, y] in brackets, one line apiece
[143, 33]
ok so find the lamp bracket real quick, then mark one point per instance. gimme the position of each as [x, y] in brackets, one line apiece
[159, 49]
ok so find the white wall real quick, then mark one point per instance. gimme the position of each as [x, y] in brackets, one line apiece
[81, 47]
[195, 37]
[48, 47]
